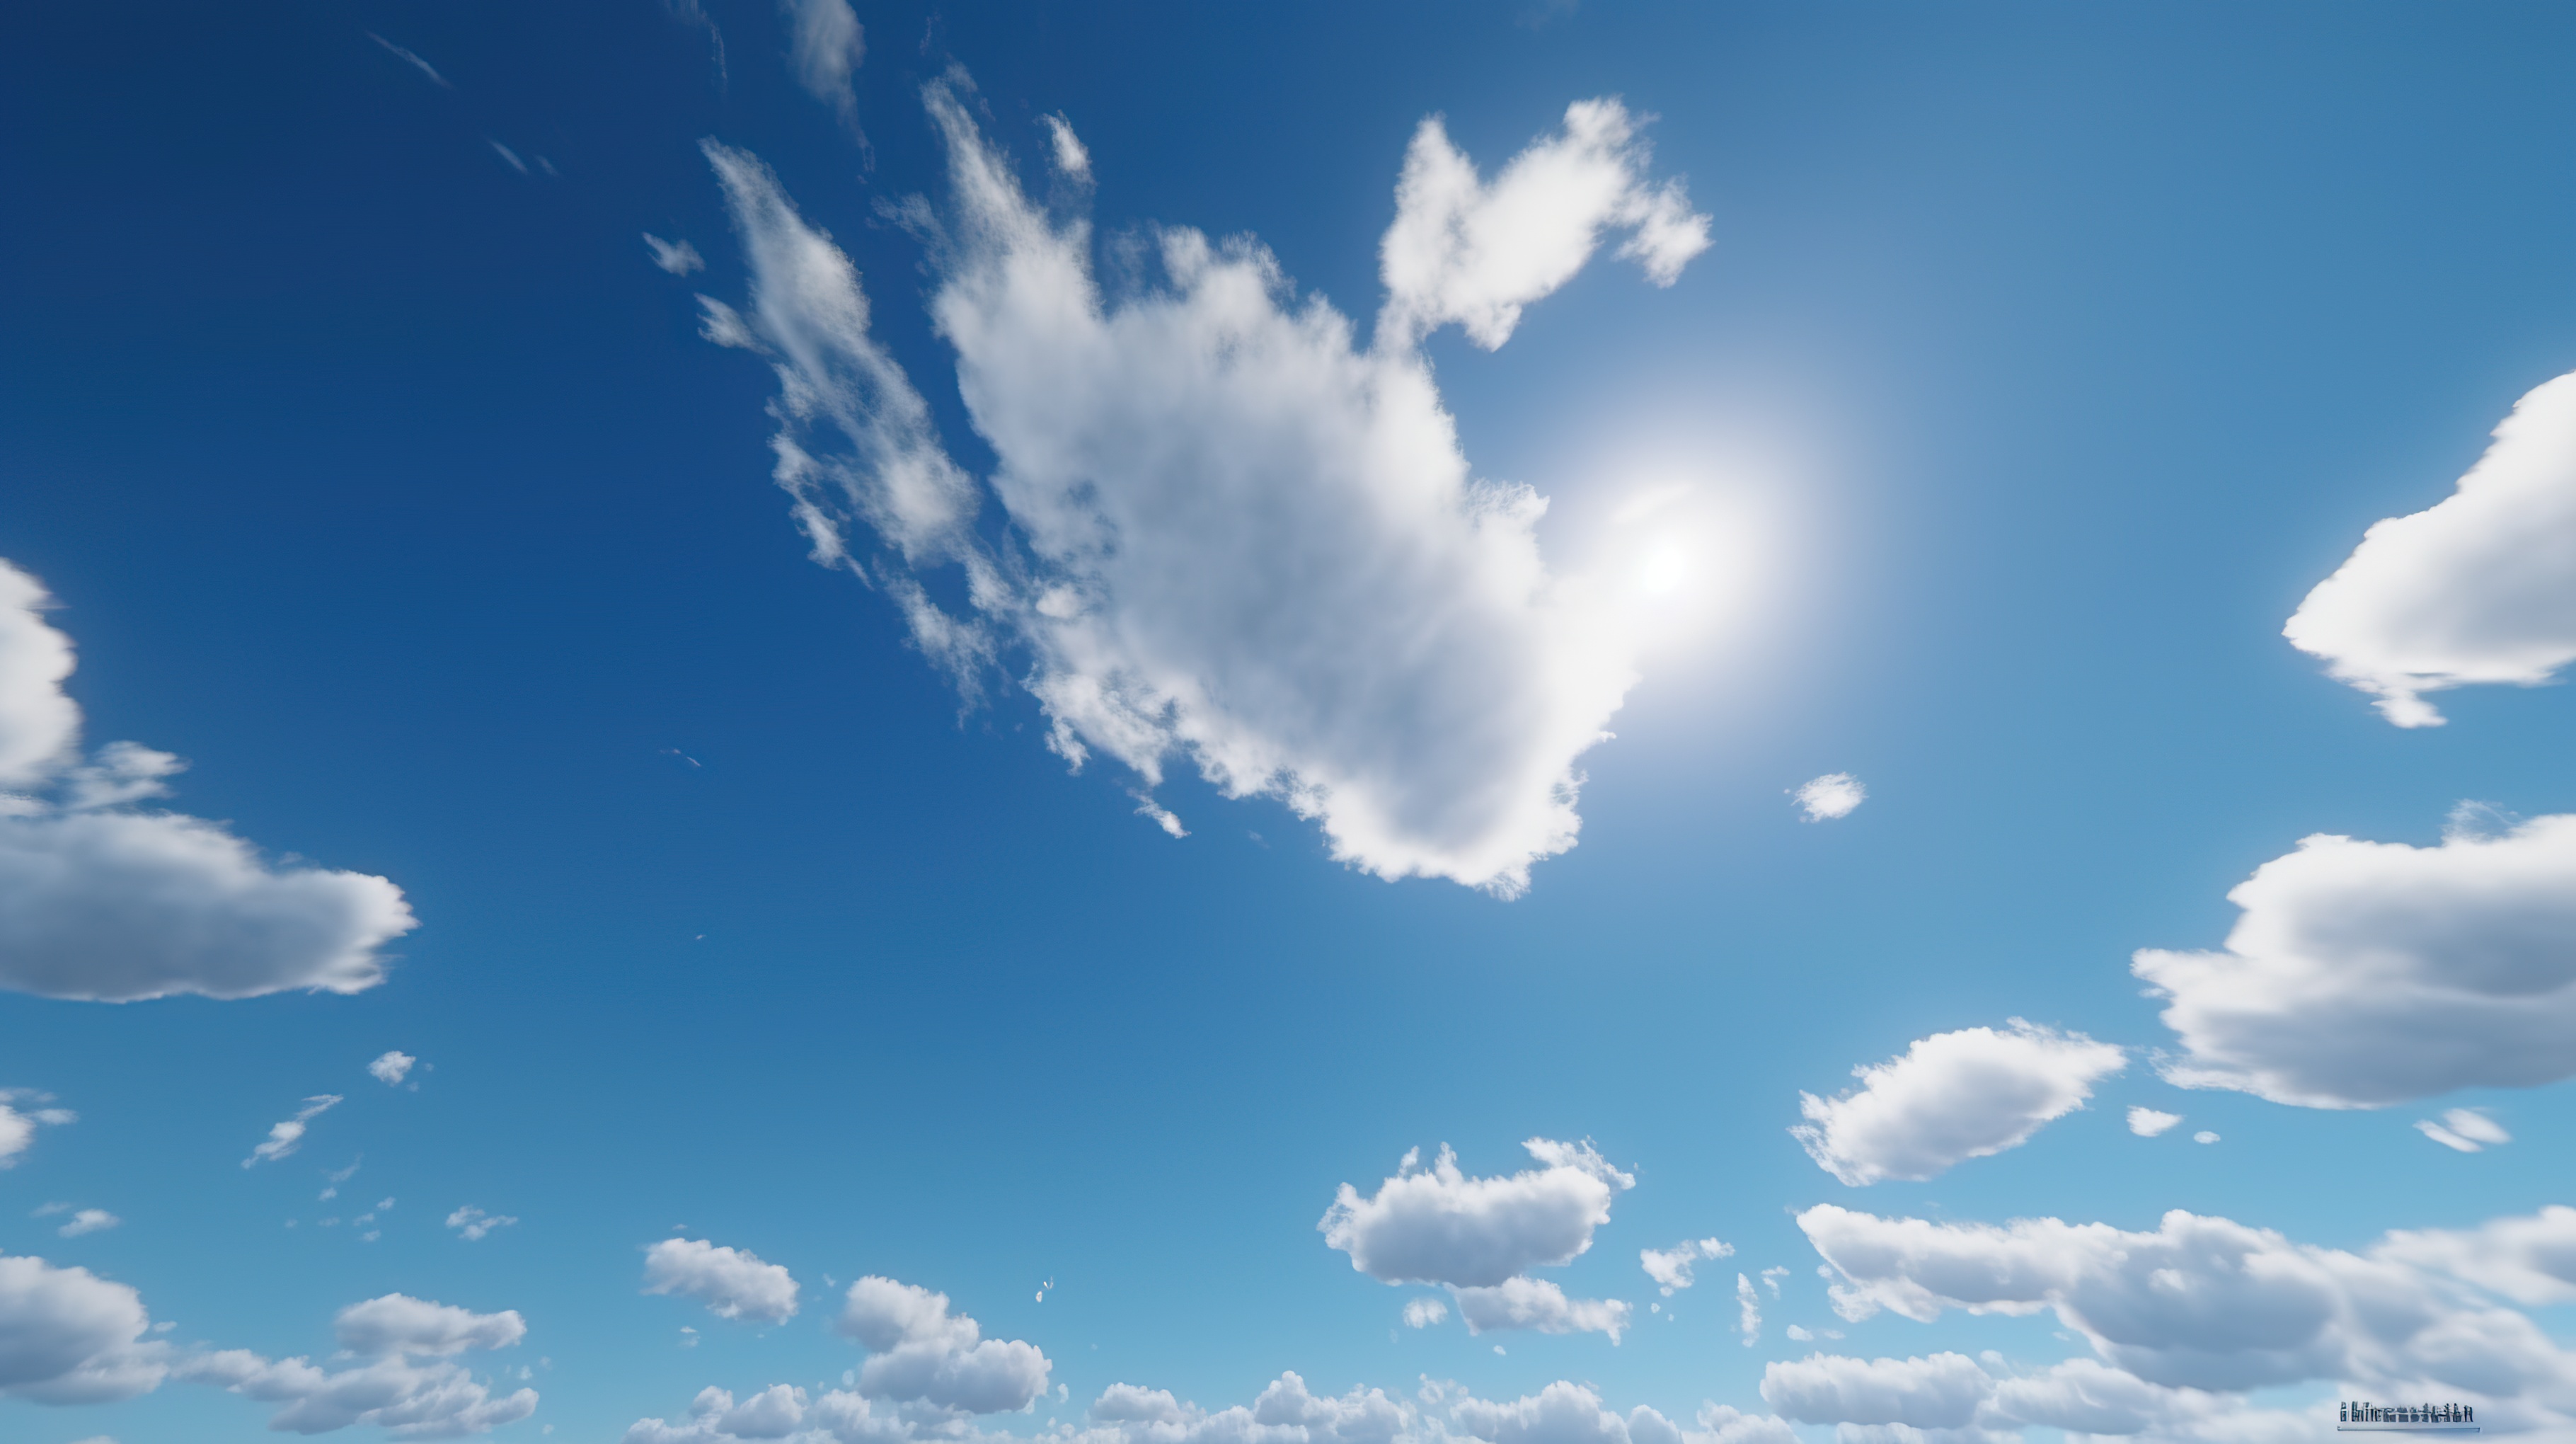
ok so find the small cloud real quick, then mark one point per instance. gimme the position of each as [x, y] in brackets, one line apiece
[2464, 1130]
[391, 1068]
[50, 1209]
[284, 1138]
[343, 1175]
[2148, 1122]
[473, 1224]
[1771, 1278]
[1671, 1267]
[1071, 160]
[1163, 818]
[423, 66]
[1800, 1333]
[679, 258]
[1423, 1313]
[2204, 1136]
[89, 1220]
[509, 155]
[1833, 795]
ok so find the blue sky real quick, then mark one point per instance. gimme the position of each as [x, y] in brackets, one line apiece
[1962, 402]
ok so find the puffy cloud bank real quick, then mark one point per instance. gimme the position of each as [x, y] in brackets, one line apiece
[68, 1336]
[104, 901]
[1479, 1236]
[924, 1356]
[403, 1380]
[2368, 973]
[2212, 1305]
[1232, 534]
[2474, 589]
[1952, 1097]
[732, 1283]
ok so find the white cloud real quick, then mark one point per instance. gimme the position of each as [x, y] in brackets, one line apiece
[2528, 1258]
[1439, 1226]
[1464, 251]
[401, 1324]
[1748, 1311]
[2474, 589]
[2368, 973]
[102, 902]
[2204, 1136]
[1833, 795]
[2211, 1304]
[508, 156]
[89, 1220]
[388, 1387]
[473, 1224]
[391, 1068]
[776, 1412]
[825, 46]
[1939, 1392]
[732, 1283]
[1286, 1412]
[285, 1137]
[1236, 538]
[1072, 160]
[2464, 1130]
[1952, 1097]
[1538, 1304]
[18, 1126]
[1423, 1313]
[423, 66]
[677, 257]
[920, 1353]
[68, 1336]
[1670, 1268]
[2150, 1123]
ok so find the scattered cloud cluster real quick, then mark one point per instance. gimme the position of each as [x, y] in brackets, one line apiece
[1480, 1236]
[1670, 1268]
[1836, 794]
[2215, 1306]
[937, 1363]
[2363, 974]
[732, 1283]
[404, 1379]
[286, 1136]
[2474, 589]
[18, 1123]
[1952, 1097]
[1237, 537]
[100, 900]
[474, 1225]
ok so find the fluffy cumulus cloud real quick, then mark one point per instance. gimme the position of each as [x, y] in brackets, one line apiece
[1232, 535]
[1836, 794]
[391, 1068]
[921, 1354]
[18, 1122]
[402, 1378]
[1670, 1268]
[2368, 973]
[103, 900]
[2211, 1305]
[2474, 589]
[1952, 1097]
[732, 1283]
[1949, 1396]
[1538, 1305]
[1570, 1413]
[777, 1412]
[68, 1336]
[2150, 1122]
[1940, 1392]
[1438, 1225]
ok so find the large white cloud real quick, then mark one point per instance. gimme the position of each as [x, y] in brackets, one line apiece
[68, 1336]
[2213, 1305]
[2367, 973]
[2474, 589]
[920, 1353]
[100, 900]
[1437, 1225]
[1235, 536]
[732, 1283]
[1952, 1097]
